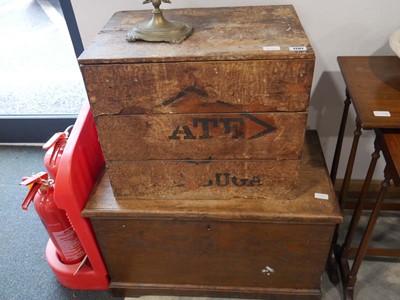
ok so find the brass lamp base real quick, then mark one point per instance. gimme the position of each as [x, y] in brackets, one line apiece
[159, 29]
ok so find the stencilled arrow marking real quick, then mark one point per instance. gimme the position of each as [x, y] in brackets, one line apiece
[268, 128]
[202, 128]
[183, 93]
[231, 126]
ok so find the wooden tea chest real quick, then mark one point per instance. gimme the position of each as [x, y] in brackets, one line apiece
[268, 249]
[221, 115]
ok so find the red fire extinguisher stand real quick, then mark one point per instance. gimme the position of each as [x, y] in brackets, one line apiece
[79, 167]
[55, 220]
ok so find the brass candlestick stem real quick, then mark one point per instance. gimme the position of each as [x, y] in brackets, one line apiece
[159, 29]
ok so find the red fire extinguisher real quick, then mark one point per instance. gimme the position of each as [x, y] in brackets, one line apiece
[55, 147]
[55, 220]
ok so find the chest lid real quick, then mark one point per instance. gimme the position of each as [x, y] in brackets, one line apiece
[233, 33]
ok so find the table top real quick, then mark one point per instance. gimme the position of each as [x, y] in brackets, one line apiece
[374, 86]
[226, 33]
[306, 208]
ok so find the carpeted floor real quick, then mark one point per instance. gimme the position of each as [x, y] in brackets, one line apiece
[24, 273]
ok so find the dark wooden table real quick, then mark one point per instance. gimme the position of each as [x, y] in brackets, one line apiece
[373, 86]
[387, 142]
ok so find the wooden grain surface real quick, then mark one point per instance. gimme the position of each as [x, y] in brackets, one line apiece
[222, 95]
[391, 150]
[305, 208]
[237, 33]
[374, 85]
[203, 253]
[199, 87]
[203, 180]
[278, 136]
[219, 248]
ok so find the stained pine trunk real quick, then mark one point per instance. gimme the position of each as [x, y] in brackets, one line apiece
[205, 118]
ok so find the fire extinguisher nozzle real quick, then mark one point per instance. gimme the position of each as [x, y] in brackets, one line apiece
[31, 194]
[34, 182]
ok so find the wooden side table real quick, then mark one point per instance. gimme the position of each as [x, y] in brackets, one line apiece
[389, 143]
[373, 86]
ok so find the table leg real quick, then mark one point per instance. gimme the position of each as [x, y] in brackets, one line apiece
[350, 280]
[344, 252]
[350, 164]
[331, 267]
[338, 149]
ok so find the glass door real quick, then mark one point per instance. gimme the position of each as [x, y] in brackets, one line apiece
[41, 88]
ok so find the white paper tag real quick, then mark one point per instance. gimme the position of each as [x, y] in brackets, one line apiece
[298, 48]
[321, 196]
[381, 113]
[271, 48]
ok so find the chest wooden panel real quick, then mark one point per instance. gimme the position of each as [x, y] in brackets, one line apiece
[256, 136]
[200, 87]
[234, 247]
[214, 253]
[220, 101]
[208, 179]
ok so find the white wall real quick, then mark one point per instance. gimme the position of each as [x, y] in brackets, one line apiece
[335, 28]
